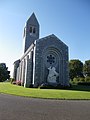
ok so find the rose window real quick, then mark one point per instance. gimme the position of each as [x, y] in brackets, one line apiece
[50, 59]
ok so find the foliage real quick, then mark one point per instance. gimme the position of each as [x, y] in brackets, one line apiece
[75, 68]
[18, 82]
[81, 81]
[84, 83]
[4, 73]
[15, 82]
[86, 68]
[12, 80]
[78, 79]
[87, 79]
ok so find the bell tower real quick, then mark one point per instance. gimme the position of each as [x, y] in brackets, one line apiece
[31, 31]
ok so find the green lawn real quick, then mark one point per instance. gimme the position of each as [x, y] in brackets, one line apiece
[74, 93]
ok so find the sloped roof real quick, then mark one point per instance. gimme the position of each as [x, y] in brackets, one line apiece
[50, 36]
[33, 20]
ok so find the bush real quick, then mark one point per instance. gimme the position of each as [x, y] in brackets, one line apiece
[18, 82]
[12, 80]
[84, 83]
[87, 79]
[77, 80]
[81, 81]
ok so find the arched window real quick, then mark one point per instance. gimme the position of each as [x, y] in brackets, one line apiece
[30, 29]
[34, 30]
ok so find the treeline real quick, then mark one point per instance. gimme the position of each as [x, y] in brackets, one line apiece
[79, 71]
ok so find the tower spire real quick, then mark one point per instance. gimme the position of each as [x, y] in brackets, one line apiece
[31, 31]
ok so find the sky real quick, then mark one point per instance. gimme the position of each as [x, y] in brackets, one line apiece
[69, 20]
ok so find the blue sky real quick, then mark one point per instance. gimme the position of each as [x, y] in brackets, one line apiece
[67, 19]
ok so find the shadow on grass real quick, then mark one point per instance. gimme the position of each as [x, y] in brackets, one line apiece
[74, 87]
[80, 88]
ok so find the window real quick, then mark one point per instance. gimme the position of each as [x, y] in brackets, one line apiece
[34, 30]
[30, 29]
[50, 59]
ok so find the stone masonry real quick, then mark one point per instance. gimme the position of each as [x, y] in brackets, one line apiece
[39, 55]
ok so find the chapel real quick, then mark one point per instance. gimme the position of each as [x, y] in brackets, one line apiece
[45, 60]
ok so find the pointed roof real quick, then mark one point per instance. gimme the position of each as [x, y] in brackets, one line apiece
[51, 36]
[32, 20]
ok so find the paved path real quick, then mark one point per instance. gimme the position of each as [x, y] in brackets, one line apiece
[20, 108]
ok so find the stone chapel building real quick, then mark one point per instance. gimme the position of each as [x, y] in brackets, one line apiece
[40, 56]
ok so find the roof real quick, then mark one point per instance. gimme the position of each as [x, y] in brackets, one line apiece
[50, 36]
[32, 20]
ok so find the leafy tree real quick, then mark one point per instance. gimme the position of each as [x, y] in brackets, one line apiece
[4, 73]
[86, 68]
[75, 68]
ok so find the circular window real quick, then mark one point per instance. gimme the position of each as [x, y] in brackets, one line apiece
[50, 59]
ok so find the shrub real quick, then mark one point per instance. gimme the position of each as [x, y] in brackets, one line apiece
[84, 83]
[77, 80]
[87, 79]
[81, 79]
[18, 82]
[12, 80]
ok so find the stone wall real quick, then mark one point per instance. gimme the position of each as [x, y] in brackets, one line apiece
[45, 47]
[16, 65]
[34, 64]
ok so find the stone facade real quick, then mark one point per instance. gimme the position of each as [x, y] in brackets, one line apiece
[39, 55]
[31, 31]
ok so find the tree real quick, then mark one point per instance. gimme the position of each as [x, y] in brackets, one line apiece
[75, 68]
[86, 68]
[4, 73]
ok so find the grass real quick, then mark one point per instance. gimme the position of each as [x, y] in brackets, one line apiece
[76, 92]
